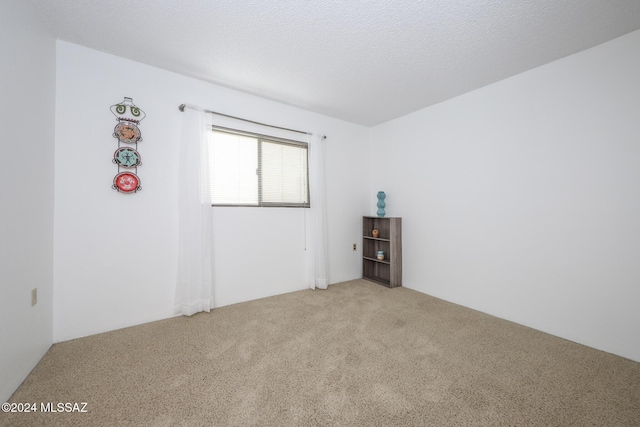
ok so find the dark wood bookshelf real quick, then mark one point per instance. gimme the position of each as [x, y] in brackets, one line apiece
[388, 271]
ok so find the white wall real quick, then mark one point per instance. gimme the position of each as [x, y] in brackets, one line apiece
[115, 254]
[27, 82]
[522, 199]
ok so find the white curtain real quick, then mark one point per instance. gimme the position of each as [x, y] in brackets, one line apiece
[194, 288]
[316, 255]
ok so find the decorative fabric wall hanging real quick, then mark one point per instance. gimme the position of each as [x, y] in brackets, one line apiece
[127, 156]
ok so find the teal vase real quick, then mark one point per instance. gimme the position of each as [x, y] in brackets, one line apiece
[381, 203]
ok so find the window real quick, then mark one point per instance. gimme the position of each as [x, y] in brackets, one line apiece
[255, 170]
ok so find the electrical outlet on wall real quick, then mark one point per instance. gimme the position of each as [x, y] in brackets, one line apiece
[354, 246]
[34, 296]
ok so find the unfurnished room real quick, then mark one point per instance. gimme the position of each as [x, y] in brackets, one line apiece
[339, 213]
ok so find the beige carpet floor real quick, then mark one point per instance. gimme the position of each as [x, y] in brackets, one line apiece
[357, 354]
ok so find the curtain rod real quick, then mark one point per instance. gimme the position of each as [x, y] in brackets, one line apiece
[181, 107]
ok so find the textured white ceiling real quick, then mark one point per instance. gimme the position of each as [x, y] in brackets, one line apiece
[361, 61]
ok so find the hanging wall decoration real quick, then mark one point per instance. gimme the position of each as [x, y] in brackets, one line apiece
[127, 156]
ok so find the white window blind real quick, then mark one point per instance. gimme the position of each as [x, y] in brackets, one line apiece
[256, 170]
